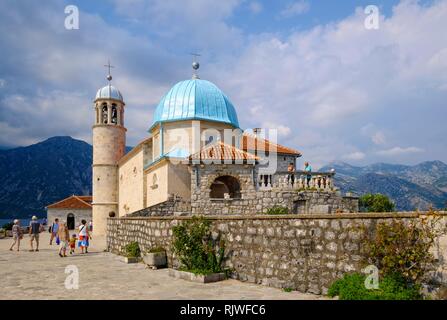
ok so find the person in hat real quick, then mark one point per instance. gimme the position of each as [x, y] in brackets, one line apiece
[35, 228]
[17, 234]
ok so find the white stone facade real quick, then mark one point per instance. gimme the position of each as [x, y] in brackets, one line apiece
[64, 215]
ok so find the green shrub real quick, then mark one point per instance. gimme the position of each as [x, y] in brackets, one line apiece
[404, 247]
[375, 203]
[278, 210]
[8, 226]
[195, 248]
[391, 287]
[133, 250]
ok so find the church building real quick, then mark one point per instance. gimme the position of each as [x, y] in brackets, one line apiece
[197, 159]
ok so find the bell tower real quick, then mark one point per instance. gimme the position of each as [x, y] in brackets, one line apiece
[109, 141]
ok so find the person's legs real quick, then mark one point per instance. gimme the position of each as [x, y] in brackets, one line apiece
[31, 242]
[37, 242]
[13, 244]
[51, 238]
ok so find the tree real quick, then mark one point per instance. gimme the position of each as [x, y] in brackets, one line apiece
[375, 203]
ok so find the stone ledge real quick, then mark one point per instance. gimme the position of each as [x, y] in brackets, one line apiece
[130, 259]
[289, 216]
[189, 276]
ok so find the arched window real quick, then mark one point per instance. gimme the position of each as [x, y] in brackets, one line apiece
[114, 114]
[225, 185]
[104, 112]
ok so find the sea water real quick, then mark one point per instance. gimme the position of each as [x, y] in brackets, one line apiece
[23, 222]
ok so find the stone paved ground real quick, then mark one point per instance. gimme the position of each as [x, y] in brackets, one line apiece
[41, 275]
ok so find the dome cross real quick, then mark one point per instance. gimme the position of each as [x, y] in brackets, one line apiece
[109, 66]
[195, 65]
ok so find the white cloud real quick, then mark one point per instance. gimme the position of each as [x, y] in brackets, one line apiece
[295, 8]
[283, 131]
[397, 151]
[255, 7]
[321, 87]
[336, 79]
[378, 138]
[355, 156]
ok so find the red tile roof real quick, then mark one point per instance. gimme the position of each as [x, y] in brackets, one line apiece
[251, 143]
[221, 151]
[73, 202]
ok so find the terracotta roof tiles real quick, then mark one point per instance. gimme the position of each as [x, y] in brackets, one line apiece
[220, 151]
[251, 143]
[73, 202]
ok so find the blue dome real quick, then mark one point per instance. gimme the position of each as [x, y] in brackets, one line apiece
[195, 99]
[109, 92]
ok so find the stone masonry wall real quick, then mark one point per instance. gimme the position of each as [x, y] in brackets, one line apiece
[305, 252]
[62, 215]
[174, 206]
[254, 201]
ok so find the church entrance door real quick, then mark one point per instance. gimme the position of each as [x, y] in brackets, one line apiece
[70, 221]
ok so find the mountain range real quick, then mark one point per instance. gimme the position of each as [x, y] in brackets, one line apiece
[410, 187]
[43, 173]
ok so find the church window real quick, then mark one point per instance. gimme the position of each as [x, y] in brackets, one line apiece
[225, 185]
[104, 113]
[114, 114]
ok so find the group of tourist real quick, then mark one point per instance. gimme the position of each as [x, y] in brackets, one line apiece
[291, 173]
[58, 232]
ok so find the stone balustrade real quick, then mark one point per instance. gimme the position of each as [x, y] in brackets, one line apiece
[322, 181]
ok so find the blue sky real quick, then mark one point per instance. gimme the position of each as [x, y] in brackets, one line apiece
[334, 90]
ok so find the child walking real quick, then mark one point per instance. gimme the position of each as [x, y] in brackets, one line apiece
[73, 243]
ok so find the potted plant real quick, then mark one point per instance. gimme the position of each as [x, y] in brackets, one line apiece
[155, 258]
[133, 252]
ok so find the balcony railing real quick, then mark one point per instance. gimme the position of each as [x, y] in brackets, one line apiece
[303, 180]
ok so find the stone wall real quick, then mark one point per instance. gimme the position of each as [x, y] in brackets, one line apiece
[255, 201]
[62, 214]
[305, 252]
[174, 206]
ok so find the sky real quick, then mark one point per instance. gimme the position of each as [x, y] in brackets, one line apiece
[334, 89]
